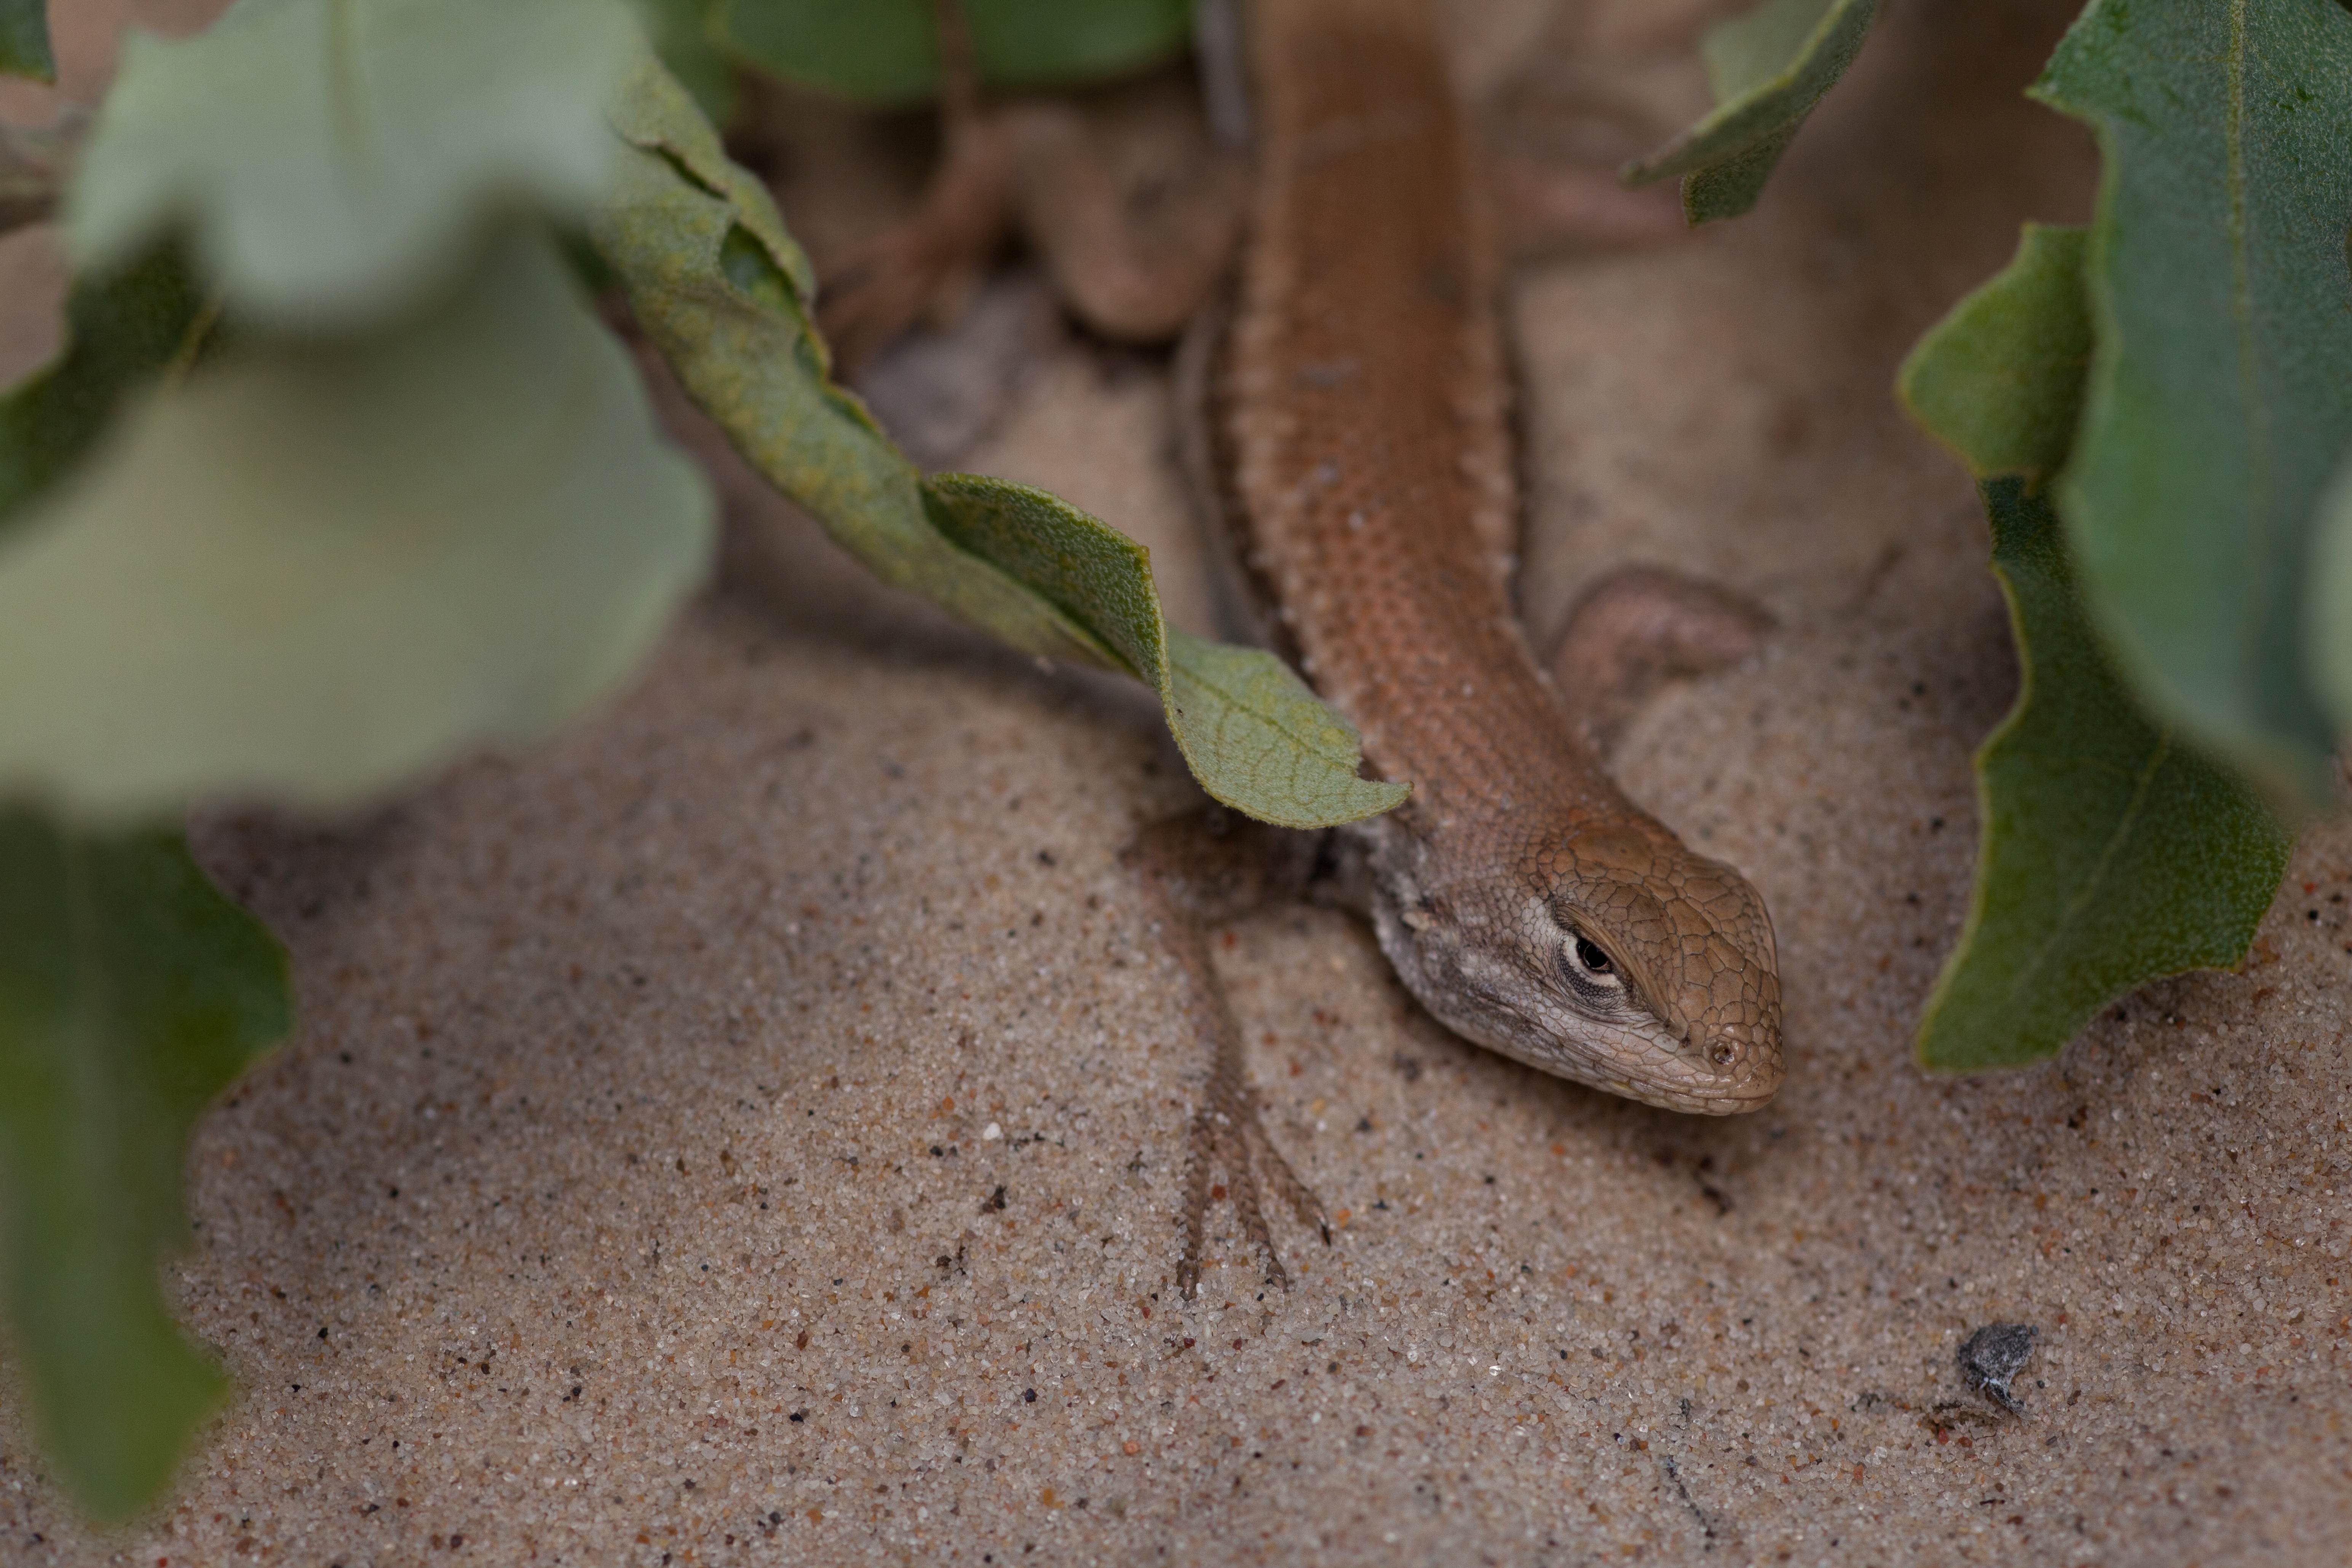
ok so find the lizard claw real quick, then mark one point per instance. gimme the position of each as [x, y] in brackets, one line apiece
[1192, 870]
[1229, 1137]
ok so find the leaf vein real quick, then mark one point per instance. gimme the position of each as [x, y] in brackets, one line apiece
[2124, 822]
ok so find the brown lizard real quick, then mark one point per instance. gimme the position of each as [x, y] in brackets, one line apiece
[1352, 445]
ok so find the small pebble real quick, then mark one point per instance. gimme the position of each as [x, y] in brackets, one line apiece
[1993, 1356]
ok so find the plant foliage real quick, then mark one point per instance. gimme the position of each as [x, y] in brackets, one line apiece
[2111, 852]
[723, 292]
[680, 32]
[2330, 620]
[339, 476]
[1767, 69]
[25, 40]
[2153, 409]
[122, 332]
[886, 51]
[130, 993]
[2218, 403]
[315, 570]
[334, 165]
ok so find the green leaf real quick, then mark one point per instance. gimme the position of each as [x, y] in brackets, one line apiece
[680, 32]
[334, 162]
[2331, 596]
[2218, 401]
[315, 570]
[130, 993]
[2113, 853]
[1767, 69]
[720, 289]
[25, 40]
[1252, 732]
[723, 292]
[885, 52]
[120, 334]
[2000, 379]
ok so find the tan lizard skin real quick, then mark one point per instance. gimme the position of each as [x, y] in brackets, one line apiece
[1358, 423]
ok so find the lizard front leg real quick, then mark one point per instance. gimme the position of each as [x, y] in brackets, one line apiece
[1639, 628]
[1198, 870]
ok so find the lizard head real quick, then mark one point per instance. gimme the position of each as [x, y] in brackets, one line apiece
[1610, 956]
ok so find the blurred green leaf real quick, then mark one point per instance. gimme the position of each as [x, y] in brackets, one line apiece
[682, 34]
[2218, 401]
[720, 287]
[722, 291]
[2330, 620]
[121, 332]
[885, 51]
[1767, 69]
[25, 40]
[130, 993]
[2111, 853]
[334, 162]
[314, 571]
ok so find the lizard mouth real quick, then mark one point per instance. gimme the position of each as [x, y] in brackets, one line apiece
[1638, 1057]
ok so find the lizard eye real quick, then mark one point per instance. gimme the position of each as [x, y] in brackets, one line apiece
[1588, 969]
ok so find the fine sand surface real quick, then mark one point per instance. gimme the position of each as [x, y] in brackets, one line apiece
[749, 1130]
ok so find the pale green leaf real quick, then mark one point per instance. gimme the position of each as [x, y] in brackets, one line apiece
[121, 332]
[885, 51]
[311, 573]
[334, 162]
[2218, 401]
[1767, 69]
[722, 291]
[2113, 853]
[25, 40]
[130, 993]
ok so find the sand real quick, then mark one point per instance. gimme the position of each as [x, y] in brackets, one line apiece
[749, 1129]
